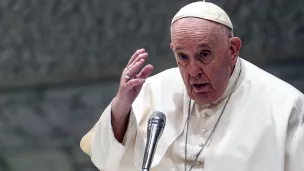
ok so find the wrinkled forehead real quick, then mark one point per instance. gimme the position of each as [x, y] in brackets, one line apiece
[197, 32]
[195, 27]
[194, 22]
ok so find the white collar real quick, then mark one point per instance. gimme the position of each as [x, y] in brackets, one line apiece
[232, 81]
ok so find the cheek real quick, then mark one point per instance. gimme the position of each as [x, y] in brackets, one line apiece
[185, 75]
[220, 78]
[180, 63]
[216, 76]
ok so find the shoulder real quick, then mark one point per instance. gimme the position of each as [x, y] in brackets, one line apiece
[271, 96]
[268, 84]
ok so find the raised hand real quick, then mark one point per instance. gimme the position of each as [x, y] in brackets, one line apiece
[131, 83]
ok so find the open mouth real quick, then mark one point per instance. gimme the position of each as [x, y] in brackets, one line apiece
[199, 87]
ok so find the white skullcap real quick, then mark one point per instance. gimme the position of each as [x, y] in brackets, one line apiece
[204, 10]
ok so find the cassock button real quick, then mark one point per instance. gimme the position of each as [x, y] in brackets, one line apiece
[203, 131]
[208, 112]
[203, 115]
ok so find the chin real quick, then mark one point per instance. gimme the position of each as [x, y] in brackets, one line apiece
[202, 101]
[202, 98]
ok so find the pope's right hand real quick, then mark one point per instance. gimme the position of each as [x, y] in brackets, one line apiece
[131, 82]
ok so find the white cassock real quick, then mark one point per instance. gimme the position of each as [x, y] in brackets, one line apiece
[261, 128]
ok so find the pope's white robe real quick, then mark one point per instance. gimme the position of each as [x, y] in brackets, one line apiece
[261, 128]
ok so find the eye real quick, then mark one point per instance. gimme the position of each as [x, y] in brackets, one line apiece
[205, 55]
[182, 56]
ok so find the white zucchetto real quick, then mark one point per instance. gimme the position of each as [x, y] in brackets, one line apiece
[204, 10]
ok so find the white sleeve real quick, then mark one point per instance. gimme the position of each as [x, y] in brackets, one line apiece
[106, 151]
[295, 140]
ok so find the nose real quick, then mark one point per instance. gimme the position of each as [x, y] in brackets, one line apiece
[194, 68]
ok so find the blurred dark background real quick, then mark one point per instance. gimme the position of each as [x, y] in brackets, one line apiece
[60, 62]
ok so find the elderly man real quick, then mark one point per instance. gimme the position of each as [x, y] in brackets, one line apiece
[223, 113]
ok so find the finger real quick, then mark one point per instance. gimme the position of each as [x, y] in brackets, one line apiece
[133, 83]
[145, 72]
[134, 56]
[139, 57]
[134, 70]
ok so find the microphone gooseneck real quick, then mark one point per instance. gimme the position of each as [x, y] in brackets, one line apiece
[155, 129]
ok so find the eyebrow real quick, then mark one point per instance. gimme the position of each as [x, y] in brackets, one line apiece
[204, 45]
[179, 48]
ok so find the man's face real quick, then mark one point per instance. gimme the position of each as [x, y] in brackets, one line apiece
[205, 56]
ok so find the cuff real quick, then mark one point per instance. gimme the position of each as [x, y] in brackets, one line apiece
[106, 151]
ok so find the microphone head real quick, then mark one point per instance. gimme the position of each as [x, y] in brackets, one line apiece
[155, 128]
[158, 118]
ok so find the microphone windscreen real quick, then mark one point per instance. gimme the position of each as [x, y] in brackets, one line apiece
[158, 117]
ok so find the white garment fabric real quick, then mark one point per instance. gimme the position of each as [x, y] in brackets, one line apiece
[261, 128]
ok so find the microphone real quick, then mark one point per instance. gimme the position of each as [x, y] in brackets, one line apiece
[155, 128]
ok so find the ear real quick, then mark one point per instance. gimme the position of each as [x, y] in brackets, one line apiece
[235, 46]
[171, 45]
